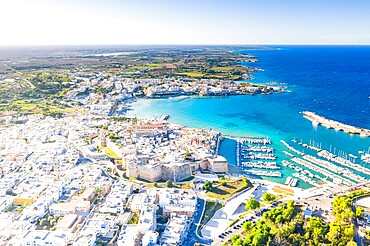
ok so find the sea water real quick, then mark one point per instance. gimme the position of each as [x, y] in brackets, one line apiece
[333, 81]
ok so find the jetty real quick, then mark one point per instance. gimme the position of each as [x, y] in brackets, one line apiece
[263, 173]
[261, 165]
[332, 124]
[291, 181]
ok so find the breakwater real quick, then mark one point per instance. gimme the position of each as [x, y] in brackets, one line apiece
[332, 124]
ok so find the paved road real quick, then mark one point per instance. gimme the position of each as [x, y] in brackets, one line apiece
[357, 238]
[192, 237]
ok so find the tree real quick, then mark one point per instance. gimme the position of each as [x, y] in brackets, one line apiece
[351, 243]
[252, 204]
[187, 155]
[268, 197]
[334, 233]
[359, 211]
[259, 239]
[234, 237]
[169, 184]
[316, 229]
[247, 226]
[208, 186]
[155, 184]
[279, 219]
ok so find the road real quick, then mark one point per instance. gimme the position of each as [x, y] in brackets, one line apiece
[20, 74]
[192, 237]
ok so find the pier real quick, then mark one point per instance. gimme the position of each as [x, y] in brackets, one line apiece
[263, 173]
[332, 124]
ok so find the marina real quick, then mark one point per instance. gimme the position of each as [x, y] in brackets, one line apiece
[303, 174]
[344, 162]
[330, 170]
[365, 158]
[256, 153]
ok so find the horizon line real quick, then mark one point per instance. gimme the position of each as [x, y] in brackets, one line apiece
[291, 44]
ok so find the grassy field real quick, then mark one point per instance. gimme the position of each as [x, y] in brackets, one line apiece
[228, 189]
[110, 152]
[192, 74]
[35, 106]
[210, 210]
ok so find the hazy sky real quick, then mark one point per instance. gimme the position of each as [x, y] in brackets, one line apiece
[184, 22]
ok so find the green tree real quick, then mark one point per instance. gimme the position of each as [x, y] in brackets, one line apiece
[155, 184]
[259, 239]
[359, 212]
[351, 243]
[316, 229]
[234, 237]
[268, 197]
[169, 184]
[334, 234]
[247, 226]
[252, 204]
[187, 155]
[208, 186]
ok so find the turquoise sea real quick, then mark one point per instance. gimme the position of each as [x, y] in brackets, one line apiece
[333, 81]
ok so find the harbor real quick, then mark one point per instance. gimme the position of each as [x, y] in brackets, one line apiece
[341, 170]
[255, 156]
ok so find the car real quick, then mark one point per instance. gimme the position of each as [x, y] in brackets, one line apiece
[220, 236]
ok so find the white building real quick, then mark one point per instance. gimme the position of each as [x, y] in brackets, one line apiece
[150, 238]
[128, 235]
[44, 238]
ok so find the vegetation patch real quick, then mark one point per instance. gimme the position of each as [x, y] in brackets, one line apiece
[110, 152]
[226, 188]
[286, 225]
[134, 219]
[210, 210]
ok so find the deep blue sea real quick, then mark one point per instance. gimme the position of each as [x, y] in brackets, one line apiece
[333, 81]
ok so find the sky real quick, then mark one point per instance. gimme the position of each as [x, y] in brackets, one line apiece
[112, 22]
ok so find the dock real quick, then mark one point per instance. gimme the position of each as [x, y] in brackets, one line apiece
[264, 173]
[332, 124]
